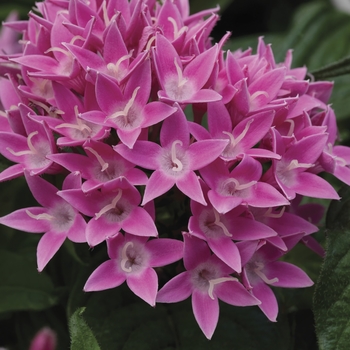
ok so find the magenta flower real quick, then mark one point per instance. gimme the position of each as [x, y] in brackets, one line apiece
[183, 84]
[132, 259]
[261, 270]
[291, 170]
[29, 151]
[101, 167]
[57, 218]
[207, 279]
[66, 120]
[240, 186]
[111, 210]
[175, 160]
[128, 111]
[220, 230]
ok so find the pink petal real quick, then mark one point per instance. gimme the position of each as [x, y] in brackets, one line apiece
[164, 251]
[177, 289]
[99, 230]
[140, 223]
[143, 153]
[47, 247]
[144, 284]
[223, 204]
[200, 68]
[174, 128]
[157, 185]
[269, 305]
[189, 185]
[108, 94]
[129, 137]
[263, 195]
[206, 312]
[20, 220]
[12, 172]
[204, 96]
[155, 112]
[204, 152]
[76, 232]
[248, 229]
[106, 276]
[311, 185]
[227, 251]
[196, 251]
[289, 275]
[233, 293]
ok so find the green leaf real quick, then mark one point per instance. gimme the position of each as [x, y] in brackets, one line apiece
[22, 287]
[82, 337]
[332, 294]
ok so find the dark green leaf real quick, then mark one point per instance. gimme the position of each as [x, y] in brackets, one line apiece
[332, 294]
[82, 337]
[22, 287]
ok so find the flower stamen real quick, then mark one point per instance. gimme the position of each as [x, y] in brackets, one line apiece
[258, 271]
[217, 222]
[258, 93]
[237, 185]
[181, 80]
[125, 258]
[177, 32]
[125, 111]
[110, 206]
[215, 281]
[114, 68]
[294, 164]
[79, 126]
[177, 165]
[104, 165]
[292, 126]
[31, 147]
[234, 141]
[43, 216]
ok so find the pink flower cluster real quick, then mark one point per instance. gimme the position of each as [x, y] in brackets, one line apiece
[127, 99]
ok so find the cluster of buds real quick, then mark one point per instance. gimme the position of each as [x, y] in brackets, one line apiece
[131, 102]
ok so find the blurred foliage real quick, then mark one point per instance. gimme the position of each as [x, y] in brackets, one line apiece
[332, 296]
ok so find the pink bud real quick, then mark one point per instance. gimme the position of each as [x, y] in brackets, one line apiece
[45, 339]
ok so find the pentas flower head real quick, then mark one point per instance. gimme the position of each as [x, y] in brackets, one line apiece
[99, 92]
